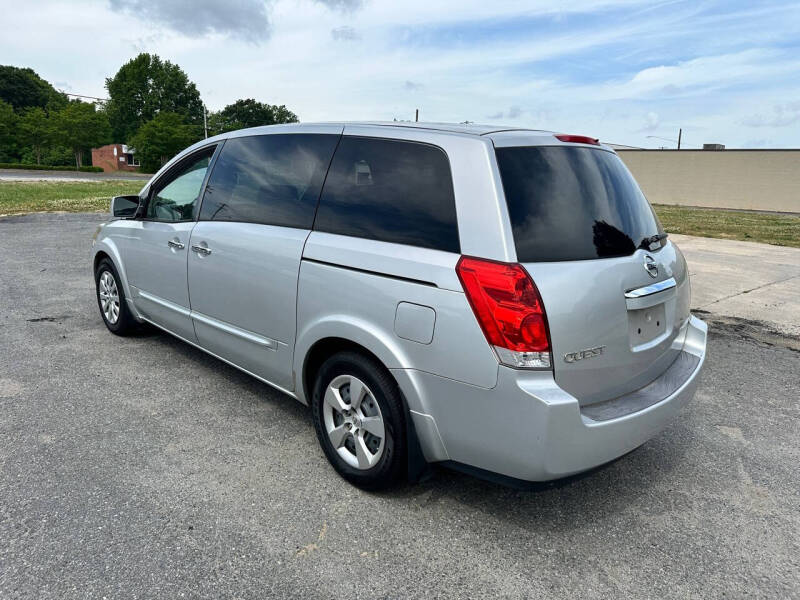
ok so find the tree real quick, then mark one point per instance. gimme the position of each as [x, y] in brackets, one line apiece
[146, 86]
[162, 138]
[81, 127]
[23, 88]
[35, 130]
[8, 131]
[249, 113]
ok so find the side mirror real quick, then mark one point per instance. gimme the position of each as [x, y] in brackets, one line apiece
[124, 206]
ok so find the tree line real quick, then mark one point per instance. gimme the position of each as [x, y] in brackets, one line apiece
[152, 106]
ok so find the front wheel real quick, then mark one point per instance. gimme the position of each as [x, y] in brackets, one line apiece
[360, 421]
[111, 299]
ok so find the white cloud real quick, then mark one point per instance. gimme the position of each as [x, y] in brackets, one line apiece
[597, 67]
[651, 121]
[782, 115]
[342, 5]
[709, 72]
[345, 33]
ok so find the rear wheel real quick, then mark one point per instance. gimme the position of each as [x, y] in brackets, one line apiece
[359, 419]
[111, 299]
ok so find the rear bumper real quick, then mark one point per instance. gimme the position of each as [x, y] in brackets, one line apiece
[528, 428]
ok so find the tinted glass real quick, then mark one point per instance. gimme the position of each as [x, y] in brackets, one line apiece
[392, 191]
[177, 200]
[569, 203]
[270, 179]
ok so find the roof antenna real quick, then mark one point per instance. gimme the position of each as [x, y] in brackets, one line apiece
[416, 118]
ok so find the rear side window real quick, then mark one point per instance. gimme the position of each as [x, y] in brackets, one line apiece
[570, 203]
[392, 191]
[269, 179]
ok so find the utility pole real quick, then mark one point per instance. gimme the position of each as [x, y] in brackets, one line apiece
[205, 123]
[416, 118]
[680, 132]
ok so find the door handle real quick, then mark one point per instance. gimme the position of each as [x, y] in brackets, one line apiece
[176, 245]
[204, 250]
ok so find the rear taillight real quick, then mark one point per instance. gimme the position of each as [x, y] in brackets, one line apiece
[578, 139]
[509, 310]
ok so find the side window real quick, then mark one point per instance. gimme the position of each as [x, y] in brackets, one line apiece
[392, 191]
[269, 179]
[177, 200]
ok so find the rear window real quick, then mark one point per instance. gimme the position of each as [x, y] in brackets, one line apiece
[570, 203]
[392, 191]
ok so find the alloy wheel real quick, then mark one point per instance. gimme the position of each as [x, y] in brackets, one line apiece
[354, 422]
[109, 296]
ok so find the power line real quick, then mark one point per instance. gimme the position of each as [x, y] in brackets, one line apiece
[82, 96]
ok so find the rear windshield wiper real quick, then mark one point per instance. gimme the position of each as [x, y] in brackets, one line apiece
[648, 243]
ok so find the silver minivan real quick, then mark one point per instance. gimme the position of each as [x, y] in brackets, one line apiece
[500, 300]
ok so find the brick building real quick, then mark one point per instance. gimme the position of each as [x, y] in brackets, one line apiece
[115, 157]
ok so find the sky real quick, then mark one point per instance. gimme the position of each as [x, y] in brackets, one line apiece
[626, 71]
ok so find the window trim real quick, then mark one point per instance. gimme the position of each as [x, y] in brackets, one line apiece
[171, 174]
[401, 140]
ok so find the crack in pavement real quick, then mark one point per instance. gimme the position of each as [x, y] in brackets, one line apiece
[750, 290]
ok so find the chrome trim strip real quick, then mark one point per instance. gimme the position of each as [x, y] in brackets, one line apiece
[653, 288]
[199, 347]
[231, 329]
[165, 303]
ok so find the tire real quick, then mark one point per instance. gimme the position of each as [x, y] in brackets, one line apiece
[362, 457]
[119, 321]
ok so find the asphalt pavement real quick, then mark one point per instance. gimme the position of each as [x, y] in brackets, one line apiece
[744, 279]
[143, 468]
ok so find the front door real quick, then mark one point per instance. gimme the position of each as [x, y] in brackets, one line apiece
[155, 254]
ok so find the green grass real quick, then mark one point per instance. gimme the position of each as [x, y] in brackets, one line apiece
[29, 167]
[67, 196]
[776, 229]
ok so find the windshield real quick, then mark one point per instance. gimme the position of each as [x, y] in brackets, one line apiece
[573, 203]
